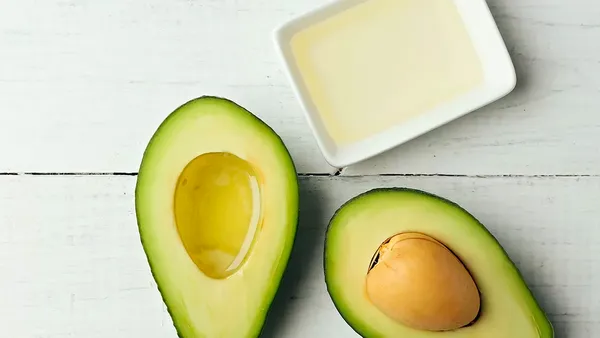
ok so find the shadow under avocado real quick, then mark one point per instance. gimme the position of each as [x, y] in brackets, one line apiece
[306, 254]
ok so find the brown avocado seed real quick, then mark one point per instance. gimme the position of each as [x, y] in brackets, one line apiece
[417, 281]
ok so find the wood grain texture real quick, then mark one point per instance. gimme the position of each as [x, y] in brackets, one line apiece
[84, 84]
[72, 264]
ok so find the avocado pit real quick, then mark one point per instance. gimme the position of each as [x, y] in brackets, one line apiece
[417, 281]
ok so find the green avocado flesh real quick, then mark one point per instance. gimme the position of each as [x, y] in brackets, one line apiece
[359, 227]
[217, 209]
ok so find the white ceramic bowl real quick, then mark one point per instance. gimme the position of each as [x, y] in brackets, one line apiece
[498, 71]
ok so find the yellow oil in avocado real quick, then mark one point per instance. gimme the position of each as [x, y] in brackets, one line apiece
[217, 211]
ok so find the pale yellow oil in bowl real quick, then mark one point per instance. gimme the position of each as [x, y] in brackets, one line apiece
[383, 62]
[217, 211]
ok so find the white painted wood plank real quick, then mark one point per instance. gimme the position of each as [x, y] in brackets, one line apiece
[548, 125]
[72, 264]
[83, 84]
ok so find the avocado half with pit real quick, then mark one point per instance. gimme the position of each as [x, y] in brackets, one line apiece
[406, 263]
[216, 205]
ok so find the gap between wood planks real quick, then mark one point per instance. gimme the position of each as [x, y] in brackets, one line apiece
[339, 172]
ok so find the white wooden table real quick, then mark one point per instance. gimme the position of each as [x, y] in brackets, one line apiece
[84, 84]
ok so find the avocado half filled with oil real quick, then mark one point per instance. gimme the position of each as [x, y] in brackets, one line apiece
[217, 209]
[405, 263]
